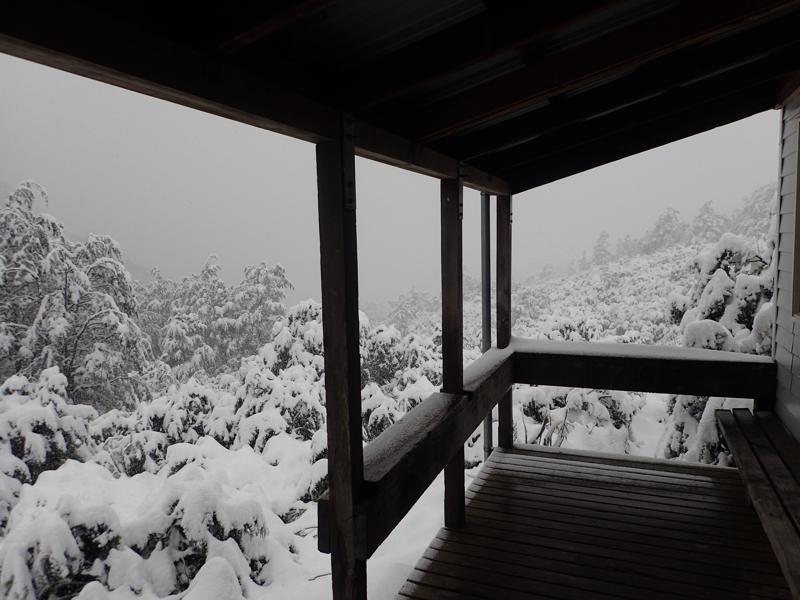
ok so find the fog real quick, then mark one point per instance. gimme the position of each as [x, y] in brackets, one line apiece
[173, 186]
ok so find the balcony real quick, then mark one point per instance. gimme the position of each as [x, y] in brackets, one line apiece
[538, 522]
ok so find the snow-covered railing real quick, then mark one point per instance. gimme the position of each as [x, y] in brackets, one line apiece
[643, 368]
[405, 459]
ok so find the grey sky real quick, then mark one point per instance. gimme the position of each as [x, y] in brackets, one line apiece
[174, 185]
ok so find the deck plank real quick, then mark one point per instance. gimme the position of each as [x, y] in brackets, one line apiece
[734, 511]
[553, 525]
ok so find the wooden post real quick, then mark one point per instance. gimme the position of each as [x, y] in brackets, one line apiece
[486, 306]
[505, 431]
[336, 191]
[452, 337]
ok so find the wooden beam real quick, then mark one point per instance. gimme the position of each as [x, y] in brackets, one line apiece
[622, 144]
[640, 368]
[505, 417]
[606, 58]
[296, 11]
[688, 67]
[340, 322]
[486, 306]
[386, 147]
[93, 44]
[453, 335]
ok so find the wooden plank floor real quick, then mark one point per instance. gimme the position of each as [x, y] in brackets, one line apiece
[544, 524]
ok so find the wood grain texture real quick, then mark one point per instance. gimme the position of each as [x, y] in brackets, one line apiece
[768, 483]
[452, 210]
[505, 418]
[340, 321]
[646, 369]
[574, 542]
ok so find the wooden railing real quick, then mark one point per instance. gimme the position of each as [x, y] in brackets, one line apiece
[403, 461]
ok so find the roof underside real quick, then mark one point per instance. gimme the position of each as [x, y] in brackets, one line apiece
[521, 93]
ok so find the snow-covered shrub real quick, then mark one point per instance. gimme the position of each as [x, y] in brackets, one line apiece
[39, 431]
[708, 334]
[377, 411]
[576, 418]
[56, 543]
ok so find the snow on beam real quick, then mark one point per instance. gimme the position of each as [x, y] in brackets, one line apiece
[640, 368]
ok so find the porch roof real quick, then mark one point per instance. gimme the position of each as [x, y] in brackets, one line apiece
[516, 93]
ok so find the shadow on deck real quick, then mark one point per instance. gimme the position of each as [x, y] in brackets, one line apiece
[563, 525]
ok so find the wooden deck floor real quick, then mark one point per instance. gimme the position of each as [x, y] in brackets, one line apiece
[569, 526]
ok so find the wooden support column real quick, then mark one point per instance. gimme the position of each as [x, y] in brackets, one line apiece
[505, 431]
[336, 190]
[452, 337]
[486, 306]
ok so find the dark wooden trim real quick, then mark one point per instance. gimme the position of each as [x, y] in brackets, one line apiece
[505, 418]
[453, 335]
[640, 368]
[339, 270]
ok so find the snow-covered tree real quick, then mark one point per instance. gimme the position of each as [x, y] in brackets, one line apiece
[408, 308]
[627, 247]
[602, 249]
[709, 224]
[728, 307]
[69, 305]
[668, 229]
[201, 324]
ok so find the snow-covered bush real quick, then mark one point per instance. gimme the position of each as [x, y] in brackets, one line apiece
[576, 418]
[39, 431]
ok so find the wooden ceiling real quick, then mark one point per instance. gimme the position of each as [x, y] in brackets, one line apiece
[515, 94]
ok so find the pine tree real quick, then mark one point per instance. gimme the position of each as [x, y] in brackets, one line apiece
[602, 251]
[668, 230]
[709, 224]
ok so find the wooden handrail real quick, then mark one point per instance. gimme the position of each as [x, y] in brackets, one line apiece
[403, 461]
[641, 368]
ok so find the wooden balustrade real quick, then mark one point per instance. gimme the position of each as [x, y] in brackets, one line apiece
[403, 461]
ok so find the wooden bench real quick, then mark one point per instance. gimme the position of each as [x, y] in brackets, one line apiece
[768, 459]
